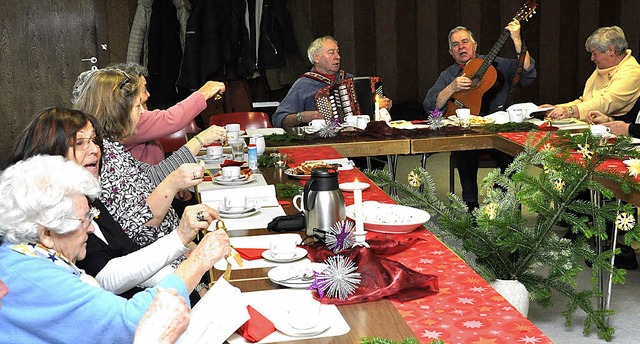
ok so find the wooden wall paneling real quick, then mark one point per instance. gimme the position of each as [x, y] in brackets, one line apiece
[405, 51]
[548, 62]
[385, 51]
[609, 11]
[364, 24]
[630, 24]
[322, 13]
[448, 17]
[118, 24]
[427, 45]
[588, 23]
[491, 25]
[344, 32]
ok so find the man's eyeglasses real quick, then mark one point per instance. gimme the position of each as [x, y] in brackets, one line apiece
[83, 143]
[91, 214]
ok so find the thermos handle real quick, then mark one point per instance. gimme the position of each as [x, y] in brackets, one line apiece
[308, 204]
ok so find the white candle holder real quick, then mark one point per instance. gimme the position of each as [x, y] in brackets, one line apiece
[356, 187]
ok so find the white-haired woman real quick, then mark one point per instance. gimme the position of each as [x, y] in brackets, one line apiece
[45, 218]
[613, 88]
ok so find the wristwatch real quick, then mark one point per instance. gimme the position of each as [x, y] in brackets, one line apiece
[571, 112]
[299, 117]
[199, 287]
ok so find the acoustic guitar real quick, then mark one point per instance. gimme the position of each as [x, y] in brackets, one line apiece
[482, 74]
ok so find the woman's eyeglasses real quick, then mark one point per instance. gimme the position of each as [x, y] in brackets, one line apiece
[93, 213]
[83, 143]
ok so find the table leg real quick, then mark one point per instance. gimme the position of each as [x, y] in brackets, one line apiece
[392, 160]
[614, 243]
[423, 164]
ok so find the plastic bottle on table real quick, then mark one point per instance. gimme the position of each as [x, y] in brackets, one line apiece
[252, 153]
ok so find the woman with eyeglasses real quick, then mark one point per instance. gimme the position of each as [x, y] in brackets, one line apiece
[118, 264]
[45, 219]
[138, 195]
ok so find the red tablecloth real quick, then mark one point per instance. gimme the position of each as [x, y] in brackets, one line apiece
[467, 309]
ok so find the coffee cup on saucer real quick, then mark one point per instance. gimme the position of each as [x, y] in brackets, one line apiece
[317, 123]
[351, 120]
[230, 172]
[283, 248]
[599, 130]
[235, 202]
[214, 151]
[362, 121]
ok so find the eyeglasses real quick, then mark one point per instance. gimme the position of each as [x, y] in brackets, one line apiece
[83, 143]
[93, 213]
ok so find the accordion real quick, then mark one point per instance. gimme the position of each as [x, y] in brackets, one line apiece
[353, 96]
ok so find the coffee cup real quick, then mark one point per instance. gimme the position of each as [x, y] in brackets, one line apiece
[283, 248]
[304, 314]
[599, 130]
[463, 113]
[317, 123]
[233, 131]
[517, 115]
[214, 151]
[362, 121]
[230, 172]
[295, 200]
[351, 120]
[235, 202]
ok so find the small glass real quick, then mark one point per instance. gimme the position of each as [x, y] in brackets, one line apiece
[237, 147]
[279, 159]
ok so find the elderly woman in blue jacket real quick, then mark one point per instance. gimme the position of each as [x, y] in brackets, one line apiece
[45, 219]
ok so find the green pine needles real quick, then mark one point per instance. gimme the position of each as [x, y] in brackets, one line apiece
[546, 179]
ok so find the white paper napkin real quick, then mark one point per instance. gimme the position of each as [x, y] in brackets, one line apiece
[218, 315]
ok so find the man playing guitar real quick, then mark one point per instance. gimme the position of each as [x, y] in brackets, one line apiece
[462, 47]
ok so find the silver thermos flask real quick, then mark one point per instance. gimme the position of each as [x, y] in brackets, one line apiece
[323, 201]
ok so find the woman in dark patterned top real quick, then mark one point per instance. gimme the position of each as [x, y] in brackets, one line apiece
[138, 195]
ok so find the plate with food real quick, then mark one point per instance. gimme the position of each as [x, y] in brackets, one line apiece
[389, 218]
[563, 121]
[479, 120]
[303, 171]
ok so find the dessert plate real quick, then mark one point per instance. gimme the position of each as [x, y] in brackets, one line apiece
[240, 215]
[293, 275]
[298, 254]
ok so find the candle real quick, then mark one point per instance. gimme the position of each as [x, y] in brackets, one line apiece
[357, 203]
[377, 108]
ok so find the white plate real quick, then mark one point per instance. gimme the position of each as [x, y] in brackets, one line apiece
[285, 328]
[235, 212]
[562, 121]
[298, 254]
[343, 163]
[240, 215]
[350, 187]
[289, 172]
[234, 182]
[412, 218]
[280, 273]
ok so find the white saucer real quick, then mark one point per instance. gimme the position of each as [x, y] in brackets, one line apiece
[236, 212]
[234, 182]
[299, 253]
[311, 130]
[285, 328]
[350, 187]
[239, 215]
[282, 272]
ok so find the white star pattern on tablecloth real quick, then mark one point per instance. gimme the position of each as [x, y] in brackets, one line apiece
[458, 312]
[439, 253]
[425, 307]
[472, 324]
[507, 308]
[465, 300]
[477, 289]
[496, 332]
[532, 340]
[431, 334]
[426, 261]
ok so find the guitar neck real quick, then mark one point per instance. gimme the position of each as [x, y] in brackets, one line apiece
[492, 54]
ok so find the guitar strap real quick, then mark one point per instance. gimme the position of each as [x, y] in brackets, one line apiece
[518, 74]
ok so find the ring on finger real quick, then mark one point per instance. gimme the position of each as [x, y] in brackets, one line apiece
[200, 216]
[194, 175]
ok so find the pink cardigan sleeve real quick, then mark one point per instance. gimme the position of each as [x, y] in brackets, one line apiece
[160, 123]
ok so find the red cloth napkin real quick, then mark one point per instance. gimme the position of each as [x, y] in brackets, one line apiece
[257, 327]
[250, 253]
[545, 126]
[231, 163]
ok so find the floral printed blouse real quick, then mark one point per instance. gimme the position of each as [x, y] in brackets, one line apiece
[127, 182]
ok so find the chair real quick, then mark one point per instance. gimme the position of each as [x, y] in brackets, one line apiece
[247, 120]
[173, 142]
[485, 160]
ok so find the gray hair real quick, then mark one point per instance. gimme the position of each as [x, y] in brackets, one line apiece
[130, 68]
[460, 28]
[37, 193]
[603, 37]
[316, 46]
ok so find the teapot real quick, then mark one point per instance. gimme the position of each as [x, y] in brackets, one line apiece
[322, 201]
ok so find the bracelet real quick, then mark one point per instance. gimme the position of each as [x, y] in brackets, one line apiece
[199, 287]
[201, 143]
[299, 117]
